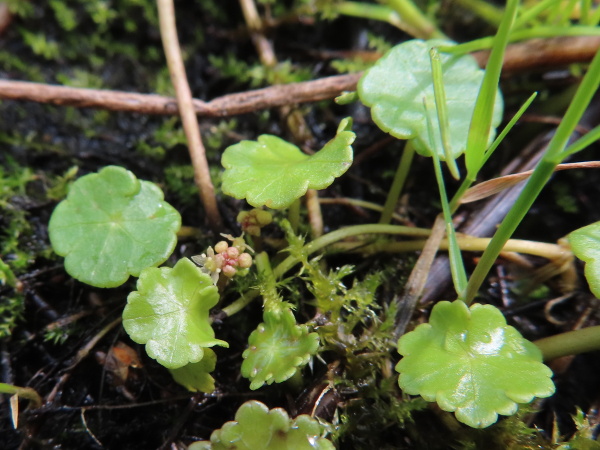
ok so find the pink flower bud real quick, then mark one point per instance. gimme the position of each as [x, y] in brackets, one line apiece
[245, 260]
[233, 252]
[221, 247]
[229, 271]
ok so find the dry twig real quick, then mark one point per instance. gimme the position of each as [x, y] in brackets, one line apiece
[519, 57]
[168, 31]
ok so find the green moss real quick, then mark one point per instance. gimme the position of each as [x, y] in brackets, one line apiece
[65, 15]
[40, 44]
[162, 83]
[168, 135]
[80, 78]
[13, 63]
[220, 135]
[11, 310]
[256, 74]
[15, 229]
[60, 185]
[180, 181]
[21, 8]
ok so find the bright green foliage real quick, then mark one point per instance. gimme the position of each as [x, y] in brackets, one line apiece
[258, 74]
[585, 243]
[396, 86]
[80, 79]
[277, 349]
[40, 44]
[12, 304]
[583, 439]
[258, 428]
[195, 376]
[18, 248]
[169, 313]
[112, 225]
[471, 362]
[272, 172]
[7, 277]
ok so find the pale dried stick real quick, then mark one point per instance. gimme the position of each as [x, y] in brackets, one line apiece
[168, 32]
[418, 277]
[295, 120]
[555, 52]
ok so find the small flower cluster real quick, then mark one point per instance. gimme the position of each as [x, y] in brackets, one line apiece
[252, 221]
[224, 258]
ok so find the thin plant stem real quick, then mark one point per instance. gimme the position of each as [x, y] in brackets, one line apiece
[584, 13]
[370, 11]
[595, 17]
[23, 392]
[313, 209]
[418, 277]
[261, 43]
[239, 304]
[168, 31]
[343, 233]
[294, 215]
[523, 35]
[398, 183]
[418, 22]
[442, 112]
[359, 203]
[552, 157]
[483, 112]
[488, 12]
[470, 179]
[546, 250]
[570, 343]
[267, 287]
[318, 244]
[585, 141]
[531, 13]
[457, 267]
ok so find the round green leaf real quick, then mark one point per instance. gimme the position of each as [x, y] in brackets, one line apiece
[111, 226]
[277, 349]
[272, 172]
[585, 243]
[471, 362]
[394, 89]
[258, 428]
[169, 313]
[195, 377]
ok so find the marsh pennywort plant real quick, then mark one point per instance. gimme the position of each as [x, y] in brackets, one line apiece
[466, 358]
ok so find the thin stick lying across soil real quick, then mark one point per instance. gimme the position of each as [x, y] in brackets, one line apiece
[168, 32]
[553, 52]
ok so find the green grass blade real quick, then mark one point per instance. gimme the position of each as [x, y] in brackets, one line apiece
[370, 11]
[595, 17]
[552, 157]
[457, 267]
[467, 182]
[442, 110]
[481, 122]
[529, 14]
[585, 141]
[487, 11]
[508, 127]
[418, 23]
[585, 8]
[523, 35]
[398, 183]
